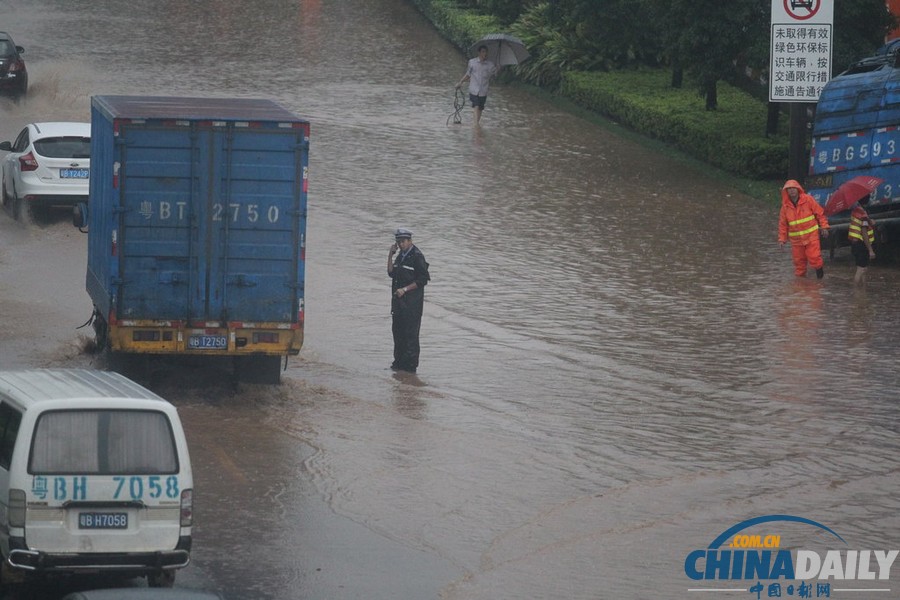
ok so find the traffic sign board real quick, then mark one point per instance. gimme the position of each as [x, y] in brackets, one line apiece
[802, 10]
[801, 49]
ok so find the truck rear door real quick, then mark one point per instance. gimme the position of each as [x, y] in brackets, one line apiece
[210, 224]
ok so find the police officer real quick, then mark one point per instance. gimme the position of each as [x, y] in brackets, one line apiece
[409, 275]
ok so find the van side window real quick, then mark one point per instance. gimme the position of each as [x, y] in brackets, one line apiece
[10, 419]
[103, 442]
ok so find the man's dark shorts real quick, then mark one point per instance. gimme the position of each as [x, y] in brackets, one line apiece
[477, 101]
[860, 254]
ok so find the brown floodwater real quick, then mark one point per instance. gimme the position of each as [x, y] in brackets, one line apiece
[617, 361]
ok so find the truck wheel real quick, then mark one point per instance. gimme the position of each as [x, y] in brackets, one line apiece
[259, 369]
[101, 332]
[161, 579]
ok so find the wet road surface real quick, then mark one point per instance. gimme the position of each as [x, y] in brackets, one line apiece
[617, 363]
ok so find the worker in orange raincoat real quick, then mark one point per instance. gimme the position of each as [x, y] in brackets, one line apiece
[800, 221]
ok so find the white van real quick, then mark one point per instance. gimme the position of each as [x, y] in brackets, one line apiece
[94, 477]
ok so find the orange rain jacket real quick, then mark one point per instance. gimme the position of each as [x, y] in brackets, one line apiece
[799, 223]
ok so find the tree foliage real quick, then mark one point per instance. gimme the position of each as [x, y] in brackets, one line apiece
[558, 44]
[705, 38]
[505, 10]
[708, 37]
[860, 26]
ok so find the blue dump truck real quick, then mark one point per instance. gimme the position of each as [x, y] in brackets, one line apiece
[196, 223]
[856, 131]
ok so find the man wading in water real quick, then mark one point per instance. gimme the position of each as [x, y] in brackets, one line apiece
[478, 73]
[800, 221]
[409, 274]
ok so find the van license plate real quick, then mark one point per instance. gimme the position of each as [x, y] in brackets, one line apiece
[102, 520]
[218, 342]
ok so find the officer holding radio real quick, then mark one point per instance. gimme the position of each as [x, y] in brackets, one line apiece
[409, 275]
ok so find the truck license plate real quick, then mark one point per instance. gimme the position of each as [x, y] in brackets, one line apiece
[74, 173]
[217, 342]
[102, 520]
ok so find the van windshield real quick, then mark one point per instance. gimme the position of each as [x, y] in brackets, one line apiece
[103, 442]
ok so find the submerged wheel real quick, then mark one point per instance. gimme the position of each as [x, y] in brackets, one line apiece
[161, 579]
[258, 369]
[101, 332]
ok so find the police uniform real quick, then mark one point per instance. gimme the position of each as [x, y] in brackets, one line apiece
[408, 267]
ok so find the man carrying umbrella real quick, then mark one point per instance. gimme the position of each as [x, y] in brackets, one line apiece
[800, 221]
[479, 72]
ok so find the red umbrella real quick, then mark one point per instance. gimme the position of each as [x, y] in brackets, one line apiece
[850, 192]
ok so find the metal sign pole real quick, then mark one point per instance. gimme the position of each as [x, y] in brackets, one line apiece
[798, 157]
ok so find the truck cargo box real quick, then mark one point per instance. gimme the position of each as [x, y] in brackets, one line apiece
[857, 132]
[196, 225]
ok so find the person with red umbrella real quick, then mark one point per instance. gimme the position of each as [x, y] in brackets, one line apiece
[849, 192]
[800, 221]
[861, 235]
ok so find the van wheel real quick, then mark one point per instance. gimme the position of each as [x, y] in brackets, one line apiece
[161, 579]
[10, 579]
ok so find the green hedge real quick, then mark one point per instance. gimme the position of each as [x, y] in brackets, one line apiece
[463, 27]
[731, 138]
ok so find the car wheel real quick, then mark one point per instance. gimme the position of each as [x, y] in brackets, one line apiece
[38, 213]
[19, 94]
[18, 209]
[4, 199]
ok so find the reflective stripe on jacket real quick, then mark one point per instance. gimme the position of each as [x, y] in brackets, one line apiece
[803, 226]
[859, 219]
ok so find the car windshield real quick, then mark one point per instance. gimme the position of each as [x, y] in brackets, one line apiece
[103, 442]
[63, 147]
[6, 48]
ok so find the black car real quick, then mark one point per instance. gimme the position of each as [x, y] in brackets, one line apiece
[13, 76]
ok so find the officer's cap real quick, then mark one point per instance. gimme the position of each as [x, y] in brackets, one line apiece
[402, 234]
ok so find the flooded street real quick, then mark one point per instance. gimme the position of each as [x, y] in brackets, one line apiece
[617, 361]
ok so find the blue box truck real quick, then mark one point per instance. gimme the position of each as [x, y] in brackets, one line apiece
[196, 222]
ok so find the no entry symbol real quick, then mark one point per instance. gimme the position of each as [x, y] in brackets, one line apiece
[802, 9]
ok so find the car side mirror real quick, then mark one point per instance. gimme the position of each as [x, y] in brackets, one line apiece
[6, 146]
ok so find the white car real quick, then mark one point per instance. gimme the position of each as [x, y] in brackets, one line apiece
[48, 165]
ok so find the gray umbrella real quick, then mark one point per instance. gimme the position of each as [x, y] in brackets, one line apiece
[502, 49]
